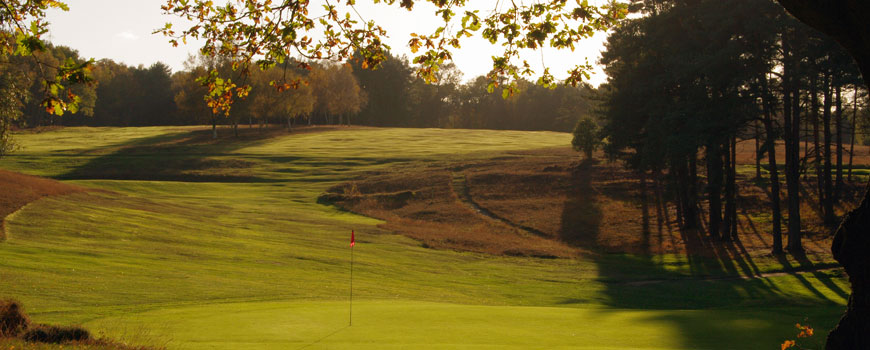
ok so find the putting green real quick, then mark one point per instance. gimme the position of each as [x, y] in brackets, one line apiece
[417, 325]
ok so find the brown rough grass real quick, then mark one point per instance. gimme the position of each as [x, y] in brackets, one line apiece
[552, 203]
[16, 190]
[424, 206]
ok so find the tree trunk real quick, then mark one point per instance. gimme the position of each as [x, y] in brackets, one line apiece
[734, 189]
[828, 203]
[680, 194]
[644, 200]
[729, 192]
[662, 216]
[817, 157]
[774, 174]
[714, 188]
[852, 139]
[791, 108]
[838, 141]
[805, 168]
[757, 151]
[213, 127]
[692, 192]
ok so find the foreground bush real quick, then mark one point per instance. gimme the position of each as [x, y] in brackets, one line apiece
[13, 321]
[100, 344]
[16, 332]
[56, 334]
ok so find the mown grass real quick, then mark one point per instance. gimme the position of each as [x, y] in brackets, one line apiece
[218, 256]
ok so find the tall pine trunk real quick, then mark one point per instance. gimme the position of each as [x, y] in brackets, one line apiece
[693, 189]
[838, 140]
[817, 141]
[726, 219]
[679, 194]
[757, 150]
[729, 221]
[770, 140]
[734, 189]
[791, 109]
[852, 139]
[827, 202]
[714, 188]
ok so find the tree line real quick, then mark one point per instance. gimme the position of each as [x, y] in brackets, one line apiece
[688, 79]
[391, 95]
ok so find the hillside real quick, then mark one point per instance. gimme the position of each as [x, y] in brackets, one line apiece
[204, 244]
[17, 190]
[550, 203]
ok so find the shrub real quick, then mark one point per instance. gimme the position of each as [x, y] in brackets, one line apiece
[586, 137]
[13, 321]
[56, 334]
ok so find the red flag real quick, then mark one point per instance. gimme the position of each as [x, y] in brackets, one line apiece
[352, 241]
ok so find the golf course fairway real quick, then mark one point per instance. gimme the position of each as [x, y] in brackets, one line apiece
[190, 243]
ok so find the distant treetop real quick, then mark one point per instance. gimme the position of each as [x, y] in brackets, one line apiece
[266, 33]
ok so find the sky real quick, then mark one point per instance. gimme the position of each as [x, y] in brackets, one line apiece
[122, 31]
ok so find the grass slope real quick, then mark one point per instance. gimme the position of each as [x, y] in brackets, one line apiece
[16, 190]
[221, 245]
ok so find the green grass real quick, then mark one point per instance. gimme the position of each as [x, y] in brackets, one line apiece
[420, 325]
[239, 255]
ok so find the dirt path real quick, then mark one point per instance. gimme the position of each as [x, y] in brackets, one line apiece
[459, 184]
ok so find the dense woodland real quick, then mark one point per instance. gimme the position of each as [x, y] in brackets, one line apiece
[689, 79]
[391, 95]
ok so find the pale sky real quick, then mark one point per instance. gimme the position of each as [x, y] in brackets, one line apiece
[121, 30]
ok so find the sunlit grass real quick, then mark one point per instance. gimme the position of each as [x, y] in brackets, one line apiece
[254, 262]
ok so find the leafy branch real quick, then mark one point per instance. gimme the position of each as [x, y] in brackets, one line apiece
[267, 32]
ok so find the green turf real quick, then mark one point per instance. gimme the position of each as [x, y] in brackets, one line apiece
[420, 325]
[222, 245]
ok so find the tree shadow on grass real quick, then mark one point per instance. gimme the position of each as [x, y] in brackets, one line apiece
[581, 218]
[190, 156]
[721, 283]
